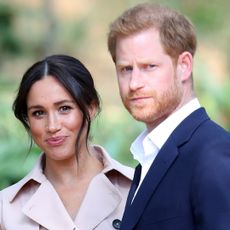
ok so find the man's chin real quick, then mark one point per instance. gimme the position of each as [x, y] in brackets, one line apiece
[138, 117]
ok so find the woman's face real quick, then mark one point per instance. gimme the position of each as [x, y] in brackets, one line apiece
[54, 119]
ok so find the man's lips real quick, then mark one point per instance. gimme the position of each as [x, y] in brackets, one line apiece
[56, 141]
[139, 98]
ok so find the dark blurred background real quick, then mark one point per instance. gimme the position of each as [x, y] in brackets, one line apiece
[30, 30]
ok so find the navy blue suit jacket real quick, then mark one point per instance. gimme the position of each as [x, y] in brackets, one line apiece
[188, 185]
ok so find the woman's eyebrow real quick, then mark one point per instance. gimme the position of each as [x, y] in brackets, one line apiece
[56, 104]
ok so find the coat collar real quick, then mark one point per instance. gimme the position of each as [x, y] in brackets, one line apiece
[111, 164]
[45, 207]
[107, 194]
[165, 158]
[36, 175]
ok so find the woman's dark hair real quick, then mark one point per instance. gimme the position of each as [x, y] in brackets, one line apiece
[75, 78]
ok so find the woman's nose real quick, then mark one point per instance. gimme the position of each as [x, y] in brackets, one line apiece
[53, 123]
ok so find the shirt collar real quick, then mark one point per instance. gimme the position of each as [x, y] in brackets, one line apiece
[147, 144]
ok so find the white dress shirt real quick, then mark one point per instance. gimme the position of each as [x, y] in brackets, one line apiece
[147, 145]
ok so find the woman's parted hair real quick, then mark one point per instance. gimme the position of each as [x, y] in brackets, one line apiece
[177, 33]
[74, 77]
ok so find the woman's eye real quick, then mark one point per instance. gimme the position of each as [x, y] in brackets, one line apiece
[37, 113]
[64, 108]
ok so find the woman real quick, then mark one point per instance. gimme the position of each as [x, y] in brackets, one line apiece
[74, 185]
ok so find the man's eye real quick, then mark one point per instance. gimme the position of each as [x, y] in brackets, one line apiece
[127, 68]
[151, 66]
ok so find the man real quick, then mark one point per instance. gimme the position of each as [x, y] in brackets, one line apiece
[183, 179]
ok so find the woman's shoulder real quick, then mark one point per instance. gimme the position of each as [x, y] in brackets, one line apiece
[123, 169]
[111, 164]
[35, 176]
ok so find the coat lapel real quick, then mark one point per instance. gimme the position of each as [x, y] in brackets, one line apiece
[46, 208]
[165, 158]
[105, 198]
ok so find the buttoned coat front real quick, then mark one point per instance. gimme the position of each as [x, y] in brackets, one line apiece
[33, 203]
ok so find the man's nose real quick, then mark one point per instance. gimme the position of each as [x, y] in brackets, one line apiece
[136, 80]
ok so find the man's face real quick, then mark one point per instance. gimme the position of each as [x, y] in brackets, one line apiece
[149, 86]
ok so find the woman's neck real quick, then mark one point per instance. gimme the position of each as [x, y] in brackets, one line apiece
[71, 178]
[65, 172]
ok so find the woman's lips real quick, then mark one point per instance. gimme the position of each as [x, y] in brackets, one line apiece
[55, 141]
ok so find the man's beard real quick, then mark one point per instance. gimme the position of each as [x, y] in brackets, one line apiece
[158, 108]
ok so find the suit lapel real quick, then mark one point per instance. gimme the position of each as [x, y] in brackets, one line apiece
[165, 158]
[135, 183]
[150, 183]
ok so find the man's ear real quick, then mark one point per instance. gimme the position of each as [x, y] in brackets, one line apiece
[184, 66]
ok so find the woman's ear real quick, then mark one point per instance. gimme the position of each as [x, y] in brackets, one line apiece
[184, 66]
[93, 110]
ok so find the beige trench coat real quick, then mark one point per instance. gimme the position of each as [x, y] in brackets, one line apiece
[33, 204]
